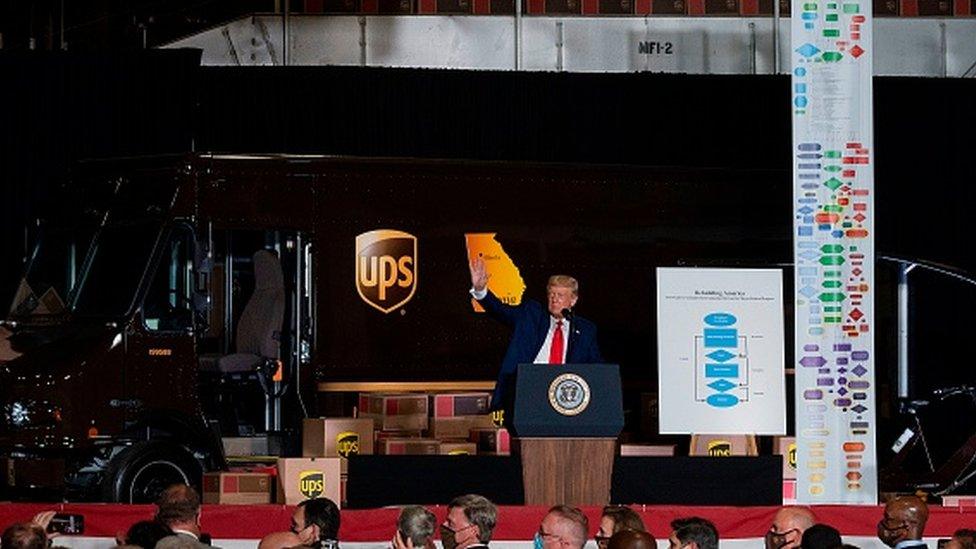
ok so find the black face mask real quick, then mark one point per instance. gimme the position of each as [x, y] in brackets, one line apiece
[775, 540]
[447, 538]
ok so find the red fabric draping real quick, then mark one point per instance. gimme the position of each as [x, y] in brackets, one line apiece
[514, 523]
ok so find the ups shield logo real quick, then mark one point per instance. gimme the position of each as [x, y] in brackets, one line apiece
[311, 484]
[347, 443]
[386, 268]
[791, 456]
[720, 448]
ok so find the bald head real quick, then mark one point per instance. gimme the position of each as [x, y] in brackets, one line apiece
[788, 526]
[280, 540]
[904, 519]
[632, 539]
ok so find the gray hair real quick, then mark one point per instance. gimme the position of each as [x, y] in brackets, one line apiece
[479, 511]
[417, 524]
[580, 523]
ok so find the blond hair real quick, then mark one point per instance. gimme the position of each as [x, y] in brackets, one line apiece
[564, 281]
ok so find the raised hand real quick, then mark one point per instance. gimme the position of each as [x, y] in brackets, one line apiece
[479, 275]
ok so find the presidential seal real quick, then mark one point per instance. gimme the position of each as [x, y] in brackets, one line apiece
[569, 394]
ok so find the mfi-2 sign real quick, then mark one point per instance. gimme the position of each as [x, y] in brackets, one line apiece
[386, 268]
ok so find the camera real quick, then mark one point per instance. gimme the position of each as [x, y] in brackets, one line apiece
[67, 523]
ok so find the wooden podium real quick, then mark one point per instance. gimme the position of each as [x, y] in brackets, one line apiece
[574, 471]
[565, 421]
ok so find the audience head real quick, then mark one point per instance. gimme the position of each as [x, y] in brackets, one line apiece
[821, 536]
[24, 535]
[963, 538]
[470, 521]
[280, 540]
[788, 526]
[564, 527]
[415, 528]
[904, 519]
[316, 522]
[632, 539]
[616, 518]
[146, 533]
[694, 533]
[178, 508]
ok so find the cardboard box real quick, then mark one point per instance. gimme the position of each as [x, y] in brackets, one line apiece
[237, 488]
[495, 441]
[958, 501]
[337, 437]
[459, 404]
[389, 404]
[399, 422]
[383, 435]
[458, 448]
[306, 478]
[457, 427]
[723, 445]
[789, 492]
[786, 447]
[633, 450]
[409, 446]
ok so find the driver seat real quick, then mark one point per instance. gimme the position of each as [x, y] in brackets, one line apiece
[259, 328]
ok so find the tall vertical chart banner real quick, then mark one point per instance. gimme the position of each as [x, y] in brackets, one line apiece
[833, 173]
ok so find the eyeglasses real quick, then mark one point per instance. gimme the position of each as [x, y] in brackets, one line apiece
[548, 538]
[461, 529]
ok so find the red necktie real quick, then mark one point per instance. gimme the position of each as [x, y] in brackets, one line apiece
[556, 349]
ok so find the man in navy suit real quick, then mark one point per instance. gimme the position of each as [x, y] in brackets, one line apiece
[551, 335]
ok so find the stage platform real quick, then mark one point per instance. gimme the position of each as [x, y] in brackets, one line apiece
[234, 526]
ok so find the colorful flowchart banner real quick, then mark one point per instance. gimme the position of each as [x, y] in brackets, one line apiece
[833, 174]
[720, 351]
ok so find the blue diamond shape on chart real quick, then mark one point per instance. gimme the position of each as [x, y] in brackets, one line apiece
[860, 370]
[806, 210]
[842, 391]
[722, 385]
[808, 291]
[807, 50]
[810, 254]
[859, 408]
[720, 355]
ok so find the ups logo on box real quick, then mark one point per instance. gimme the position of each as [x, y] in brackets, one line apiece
[791, 456]
[311, 484]
[719, 448]
[386, 268]
[347, 444]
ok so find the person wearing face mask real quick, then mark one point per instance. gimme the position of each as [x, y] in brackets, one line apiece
[903, 523]
[550, 335]
[316, 523]
[788, 526]
[470, 522]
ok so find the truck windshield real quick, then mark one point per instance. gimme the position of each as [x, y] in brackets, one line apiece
[52, 270]
[118, 261]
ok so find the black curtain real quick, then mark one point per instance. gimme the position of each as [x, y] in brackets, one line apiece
[57, 108]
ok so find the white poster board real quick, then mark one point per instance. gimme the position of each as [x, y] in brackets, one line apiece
[720, 351]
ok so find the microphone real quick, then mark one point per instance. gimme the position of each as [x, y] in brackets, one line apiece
[567, 314]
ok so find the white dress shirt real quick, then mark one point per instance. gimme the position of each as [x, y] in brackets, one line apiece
[543, 356]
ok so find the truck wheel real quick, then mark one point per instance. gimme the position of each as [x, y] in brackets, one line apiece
[142, 471]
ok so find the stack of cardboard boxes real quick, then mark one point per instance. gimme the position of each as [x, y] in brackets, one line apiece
[410, 423]
[447, 424]
[454, 416]
[327, 446]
